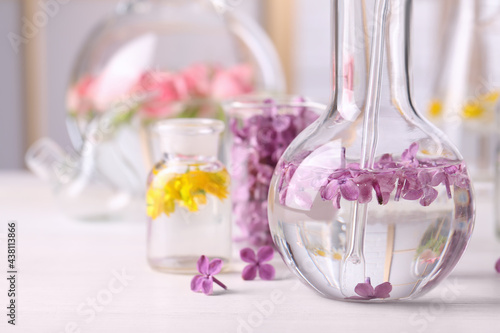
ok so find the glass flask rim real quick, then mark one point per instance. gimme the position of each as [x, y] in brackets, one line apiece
[253, 104]
[191, 127]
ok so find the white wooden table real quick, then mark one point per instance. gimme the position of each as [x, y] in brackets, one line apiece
[67, 283]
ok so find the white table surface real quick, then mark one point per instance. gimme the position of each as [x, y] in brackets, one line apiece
[63, 263]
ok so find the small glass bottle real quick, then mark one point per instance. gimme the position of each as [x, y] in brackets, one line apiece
[188, 201]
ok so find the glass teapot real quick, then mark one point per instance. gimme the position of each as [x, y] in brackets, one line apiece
[151, 60]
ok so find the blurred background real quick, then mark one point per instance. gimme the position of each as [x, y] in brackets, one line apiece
[36, 69]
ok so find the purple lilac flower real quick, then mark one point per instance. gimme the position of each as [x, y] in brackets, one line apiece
[497, 266]
[204, 282]
[257, 263]
[367, 292]
[411, 179]
[258, 144]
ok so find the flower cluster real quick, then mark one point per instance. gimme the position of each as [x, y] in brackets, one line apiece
[160, 94]
[258, 143]
[188, 190]
[408, 178]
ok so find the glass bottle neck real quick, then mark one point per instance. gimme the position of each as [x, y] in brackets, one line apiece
[368, 35]
[191, 138]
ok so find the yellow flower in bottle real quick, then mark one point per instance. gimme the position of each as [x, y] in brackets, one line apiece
[218, 184]
[188, 190]
[154, 201]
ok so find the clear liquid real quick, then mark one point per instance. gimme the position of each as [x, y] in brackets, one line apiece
[176, 242]
[194, 219]
[411, 246]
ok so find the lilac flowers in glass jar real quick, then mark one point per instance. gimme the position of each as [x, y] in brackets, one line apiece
[260, 131]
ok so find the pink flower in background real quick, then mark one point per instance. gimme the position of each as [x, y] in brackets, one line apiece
[162, 94]
[162, 91]
[205, 282]
[236, 81]
[80, 97]
[497, 266]
[257, 263]
[197, 79]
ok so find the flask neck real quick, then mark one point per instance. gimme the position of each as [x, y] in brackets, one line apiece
[370, 38]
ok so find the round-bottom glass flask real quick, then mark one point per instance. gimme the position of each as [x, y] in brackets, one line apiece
[188, 201]
[371, 202]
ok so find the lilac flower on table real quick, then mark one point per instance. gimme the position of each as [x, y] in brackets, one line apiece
[497, 266]
[367, 292]
[204, 282]
[257, 263]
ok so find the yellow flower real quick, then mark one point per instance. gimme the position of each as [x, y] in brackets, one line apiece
[482, 106]
[335, 255]
[188, 190]
[435, 108]
[154, 201]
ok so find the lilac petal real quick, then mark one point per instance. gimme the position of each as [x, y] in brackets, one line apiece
[364, 290]
[330, 190]
[401, 183]
[281, 123]
[425, 177]
[378, 191]
[438, 179]
[249, 272]
[365, 194]
[215, 267]
[207, 286]
[497, 266]
[265, 253]
[203, 265]
[196, 283]
[383, 290]
[413, 150]
[349, 190]
[336, 201]
[248, 255]
[282, 196]
[386, 159]
[430, 194]
[266, 272]
[447, 185]
[413, 194]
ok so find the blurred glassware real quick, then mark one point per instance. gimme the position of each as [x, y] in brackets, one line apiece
[259, 130]
[467, 83]
[94, 183]
[156, 59]
[188, 202]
